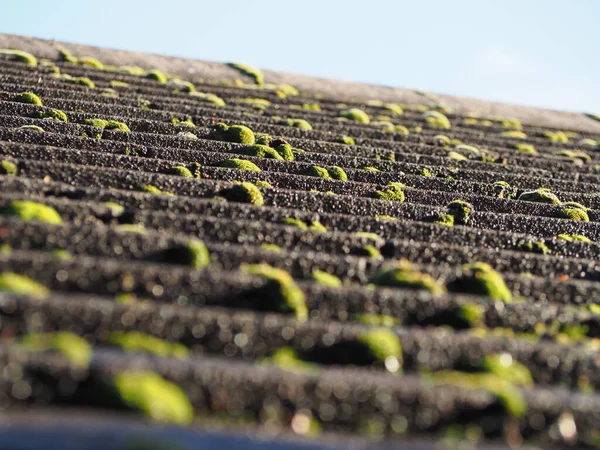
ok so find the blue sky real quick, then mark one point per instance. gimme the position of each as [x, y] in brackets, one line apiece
[533, 52]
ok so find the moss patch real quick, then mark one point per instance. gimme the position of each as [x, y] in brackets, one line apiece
[393, 193]
[8, 168]
[296, 123]
[244, 193]
[535, 247]
[76, 349]
[252, 72]
[480, 279]
[32, 128]
[403, 275]
[355, 114]
[22, 285]
[20, 56]
[337, 173]
[31, 211]
[28, 97]
[154, 190]
[382, 345]
[239, 134]
[326, 279]
[573, 214]
[375, 319]
[573, 237]
[240, 164]
[436, 119]
[53, 114]
[503, 365]
[280, 292]
[154, 396]
[347, 140]
[461, 211]
[194, 253]
[181, 171]
[156, 75]
[134, 341]
[316, 171]
[260, 151]
[208, 98]
[540, 196]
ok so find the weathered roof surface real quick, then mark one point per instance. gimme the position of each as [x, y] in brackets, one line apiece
[322, 262]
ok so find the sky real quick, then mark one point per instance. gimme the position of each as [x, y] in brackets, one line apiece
[532, 52]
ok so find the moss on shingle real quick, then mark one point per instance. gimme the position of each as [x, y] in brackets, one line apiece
[347, 140]
[31, 211]
[156, 75]
[31, 128]
[243, 193]
[8, 168]
[239, 134]
[320, 172]
[481, 279]
[296, 123]
[240, 164]
[535, 247]
[193, 253]
[20, 56]
[356, 114]
[28, 97]
[53, 114]
[540, 196]
[461, 211]
[22, 285]
[573, 237]
[134, 341]
[208, 98]
[393, 193]
[260, 151]
[381, 345]
[403, 275]
[75, 348]
[515, 134]
[154, 190]
[437, 119]
[280, 292]
[337, 173]
[526, 148]
[253, 72]
[503, 365]
[155, 397]
[325, 279]
[181, 171]
[573, 214]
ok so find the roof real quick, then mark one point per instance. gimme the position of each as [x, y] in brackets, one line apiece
[206, 245]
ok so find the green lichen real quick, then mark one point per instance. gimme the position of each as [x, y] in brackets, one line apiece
[515, 134]
[355, 114]
[28, 97]
[31, 211]
[296, 123]
[240, 164]
[393, 193]
[155, 397]
[32, 128]
[239, 134]
[208, 98]
[573, 214]
[511, 122]
[403, 275]
[436, 119]
[244, 193]
[73, 347]
[480, 279]
[53, 114]
[20, 56]
[316, 171]
[252, 72]
[326, 279]
[22, 286]
[260, 151]
[8, 168]
[385, 217]
[375, 319]
[181, 171]
[337, 173]
[317, 226]
[384, 125]
[134, 341]
[193, 253]
[573, 237]
[526, 148]
[381, 345]
[540, 196]
[280, 292]
[347, 140]
[503, 365]
[461, 211]
[535, 247]
[156, 75]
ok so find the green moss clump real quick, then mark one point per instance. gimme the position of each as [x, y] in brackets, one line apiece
[589, 142]
[154, 190]
[20, 56]
[32, 128]
[575, 205]
[75, 348]
[116, 125]
[526, 148]
[425, 172]
[263, 184]
[326, 279]
[558, 136]
[577, 155]
[28, 97]
[296, 223]
[403, 275]
[181, 171]
[540, 196]
[31, 211]
[337, 173]
[244, 193]
[296, 123]
[253, 72]
[257, 103]
[381, 345]
[280, 292]
[441, 140]
[83, 81]
[94, 122]
[461, 211]
[187, 135]
[356, 114]
[194, 253]
[375, 319]
[573, 237]
[437, 119]
[347, 140]
[472, 314]
[393, 193]
[154, 396]
[371, 169]
[22, 285]
[287, 358]
[316, 171]
[444, 219]
[456, 156]
[515, 134]
[317, 226]
[53, 114]
[573, 214]
[209, 98]
[270, 247]
[117, 83]
[134, 341]
[156, 75]
[505, 366]
[8, 168]
[91, 62]
[131, 228]
[535, 247]
[61, 254]
[239, 134]
[508, 395]
[185, 123]
[284, 149]
[260, 151]
[480, 279]
[66, 56]
[240, 164]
